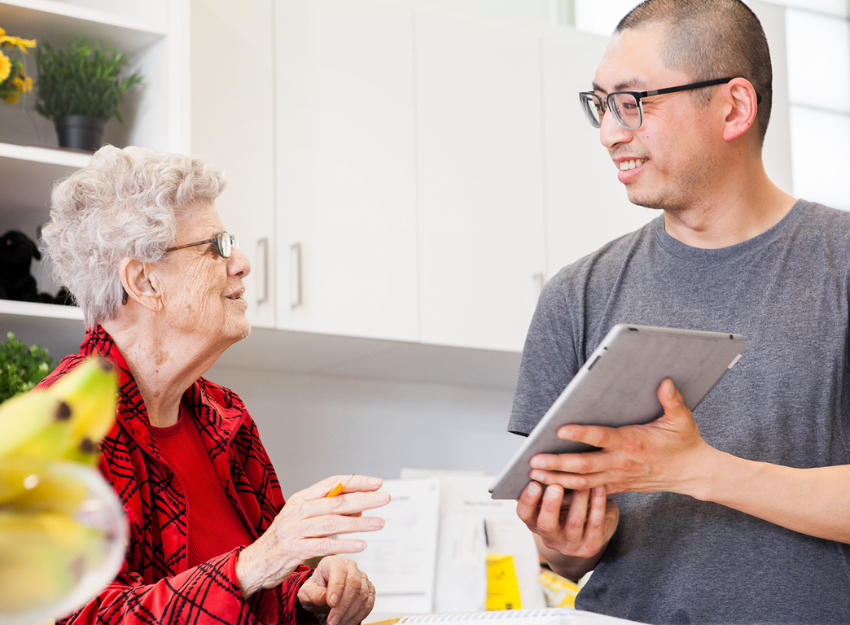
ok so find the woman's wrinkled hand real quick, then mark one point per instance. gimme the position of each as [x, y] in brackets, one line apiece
[339, 589]
[307, 527]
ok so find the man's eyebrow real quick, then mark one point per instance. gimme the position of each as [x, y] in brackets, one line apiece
[626, 85]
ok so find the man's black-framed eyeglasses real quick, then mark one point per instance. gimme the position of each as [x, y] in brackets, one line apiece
[626, 106]
[224, 244]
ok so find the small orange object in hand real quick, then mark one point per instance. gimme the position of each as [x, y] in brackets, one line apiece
[336, 490]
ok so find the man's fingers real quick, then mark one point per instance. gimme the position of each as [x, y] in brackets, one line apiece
[549, 517]
[574, 524]
[528, 504]
[595, 525]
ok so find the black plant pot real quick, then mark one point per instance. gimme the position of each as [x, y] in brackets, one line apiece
[80, 132]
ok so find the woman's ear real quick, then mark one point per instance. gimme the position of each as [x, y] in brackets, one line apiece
[741, 108]
[139, 284]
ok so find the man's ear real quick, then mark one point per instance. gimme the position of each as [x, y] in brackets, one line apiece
[741, 108]
[139, 284]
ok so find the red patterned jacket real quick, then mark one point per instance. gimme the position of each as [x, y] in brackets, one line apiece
[155, 585]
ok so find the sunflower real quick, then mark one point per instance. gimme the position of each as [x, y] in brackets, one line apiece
[21, 44]
[5, 67]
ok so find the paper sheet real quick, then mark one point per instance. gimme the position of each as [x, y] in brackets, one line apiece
[400, 558]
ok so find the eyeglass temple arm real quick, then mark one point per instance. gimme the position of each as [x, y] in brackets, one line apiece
[180, 247]
[696, 85]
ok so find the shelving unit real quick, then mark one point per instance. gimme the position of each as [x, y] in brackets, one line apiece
[56, 21]
[31, 162]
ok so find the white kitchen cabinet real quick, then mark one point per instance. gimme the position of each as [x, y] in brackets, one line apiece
[586, 206]
[346, 237]
[232, 117]
[479, 181]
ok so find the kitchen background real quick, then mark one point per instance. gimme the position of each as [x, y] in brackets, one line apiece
[404, 175]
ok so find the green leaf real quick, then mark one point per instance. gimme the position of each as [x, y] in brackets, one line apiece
[83, 78]
[21, 367]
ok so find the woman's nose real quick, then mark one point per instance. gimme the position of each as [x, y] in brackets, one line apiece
[238, 264]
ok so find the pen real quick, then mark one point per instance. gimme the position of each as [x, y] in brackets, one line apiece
[336, 490]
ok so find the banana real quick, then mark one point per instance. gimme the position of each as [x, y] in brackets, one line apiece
[35, 425]
[90, 393]
[42, 558]
[49, 489]
[45, 546]
[17, 475]
[67, 419]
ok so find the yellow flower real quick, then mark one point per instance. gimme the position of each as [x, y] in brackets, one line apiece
[12, 98]
[22, 44]
[2, 32]
[5, 67]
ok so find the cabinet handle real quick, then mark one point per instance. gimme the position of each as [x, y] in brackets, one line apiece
[263, 257]
[295, 275]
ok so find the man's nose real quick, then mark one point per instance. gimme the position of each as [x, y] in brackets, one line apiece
[611, 133]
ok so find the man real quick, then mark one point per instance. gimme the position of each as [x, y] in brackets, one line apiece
[741, 511]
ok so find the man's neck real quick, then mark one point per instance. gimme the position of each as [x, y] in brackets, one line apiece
[739, 209]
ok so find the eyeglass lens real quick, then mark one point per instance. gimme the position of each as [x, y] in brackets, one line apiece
[624, 106]
[225, 243]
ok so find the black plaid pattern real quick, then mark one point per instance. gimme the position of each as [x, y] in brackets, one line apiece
[155, 586]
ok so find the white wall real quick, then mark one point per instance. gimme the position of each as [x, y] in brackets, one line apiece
[314, 426]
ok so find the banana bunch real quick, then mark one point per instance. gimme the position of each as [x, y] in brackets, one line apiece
[53, 530]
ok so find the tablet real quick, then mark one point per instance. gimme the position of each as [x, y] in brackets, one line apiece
[618, 385]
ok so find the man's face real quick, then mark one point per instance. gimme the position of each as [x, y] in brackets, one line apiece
[671, 161]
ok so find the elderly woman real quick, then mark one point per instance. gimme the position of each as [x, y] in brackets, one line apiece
[137, 240]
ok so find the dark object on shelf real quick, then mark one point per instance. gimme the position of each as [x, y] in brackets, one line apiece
[65, 297]
[80, 132]
[16, 253]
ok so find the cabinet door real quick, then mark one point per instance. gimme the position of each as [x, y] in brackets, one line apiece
[586, 206]
[232, 127]
[480, 182]
[346, 225]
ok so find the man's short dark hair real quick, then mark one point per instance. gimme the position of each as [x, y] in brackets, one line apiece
[711, 39]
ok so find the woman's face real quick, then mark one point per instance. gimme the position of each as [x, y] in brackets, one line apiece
[202, 291]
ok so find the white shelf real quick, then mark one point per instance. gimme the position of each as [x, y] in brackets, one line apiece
[57, 22]
[34, 309]
[27, 175]
[59, 329]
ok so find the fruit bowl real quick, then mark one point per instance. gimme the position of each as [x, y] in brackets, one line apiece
[61, 541]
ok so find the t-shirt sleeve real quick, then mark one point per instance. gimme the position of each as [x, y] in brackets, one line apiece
[549, 359]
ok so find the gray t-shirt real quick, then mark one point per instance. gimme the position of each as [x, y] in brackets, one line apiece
[674, 559]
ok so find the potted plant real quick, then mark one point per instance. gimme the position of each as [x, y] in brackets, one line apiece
[21, 367]
[14, 81]
[80, 88]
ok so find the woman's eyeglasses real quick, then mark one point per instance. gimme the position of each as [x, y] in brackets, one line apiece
[224, 244]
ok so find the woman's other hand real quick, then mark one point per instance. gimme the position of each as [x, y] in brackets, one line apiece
[339, 589]
[307, 527]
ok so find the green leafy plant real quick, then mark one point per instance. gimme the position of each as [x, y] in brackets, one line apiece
[21, 367]
[81, 79]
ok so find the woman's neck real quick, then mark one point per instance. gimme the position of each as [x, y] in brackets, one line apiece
[164, 364]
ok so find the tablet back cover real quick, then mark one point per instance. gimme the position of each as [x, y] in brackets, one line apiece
[618, 385]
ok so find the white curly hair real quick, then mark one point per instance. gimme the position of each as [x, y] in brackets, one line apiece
[124, 204]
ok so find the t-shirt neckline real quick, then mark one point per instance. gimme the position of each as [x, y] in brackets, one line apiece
[681, 250]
